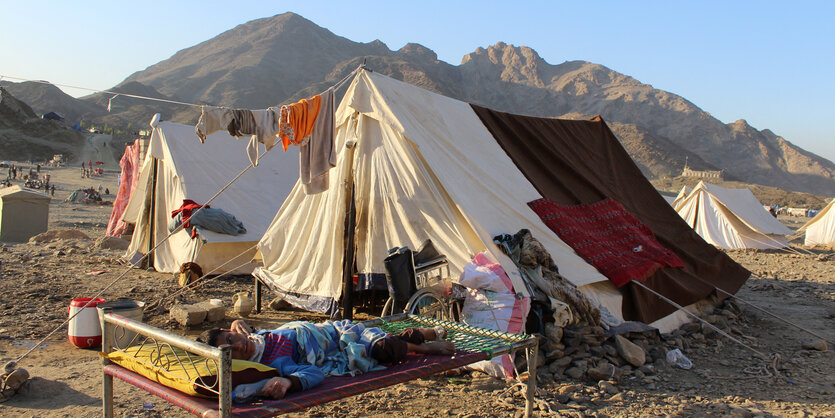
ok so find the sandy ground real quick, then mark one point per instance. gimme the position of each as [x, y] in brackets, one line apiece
[39, 280]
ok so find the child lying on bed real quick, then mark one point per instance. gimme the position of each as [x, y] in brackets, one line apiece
[304, 352]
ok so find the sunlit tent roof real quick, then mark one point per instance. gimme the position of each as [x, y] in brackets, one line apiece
[428, 166]
[820, 230]
[731, 218]
[177, 167]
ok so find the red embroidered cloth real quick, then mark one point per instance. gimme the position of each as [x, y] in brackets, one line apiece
[608, 237]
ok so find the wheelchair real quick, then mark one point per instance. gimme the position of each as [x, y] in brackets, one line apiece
[419, 283]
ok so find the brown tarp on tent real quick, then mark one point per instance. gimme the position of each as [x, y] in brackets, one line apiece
[572, 162]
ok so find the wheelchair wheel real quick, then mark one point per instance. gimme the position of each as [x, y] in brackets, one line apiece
[426, 303]
[388, 307]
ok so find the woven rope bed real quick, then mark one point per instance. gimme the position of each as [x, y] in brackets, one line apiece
[472, 345]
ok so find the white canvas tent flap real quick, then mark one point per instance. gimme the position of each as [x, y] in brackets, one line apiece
[187, 169]
[820, 230]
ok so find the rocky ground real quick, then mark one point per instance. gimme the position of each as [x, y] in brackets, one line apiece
[583, 372]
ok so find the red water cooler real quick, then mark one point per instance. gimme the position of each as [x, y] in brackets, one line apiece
[84, 330]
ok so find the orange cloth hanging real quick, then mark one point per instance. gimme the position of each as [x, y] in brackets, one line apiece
[296, 120]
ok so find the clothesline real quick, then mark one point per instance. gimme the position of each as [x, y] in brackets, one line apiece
[103, 91]
[335, 87]
[171, 233]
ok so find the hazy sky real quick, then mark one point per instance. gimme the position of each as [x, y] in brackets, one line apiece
[768, 62]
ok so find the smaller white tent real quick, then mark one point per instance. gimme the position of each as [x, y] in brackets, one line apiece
[731, 218]
[820, 230]
[177, 167]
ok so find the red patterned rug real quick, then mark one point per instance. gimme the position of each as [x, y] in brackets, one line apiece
[608, 237]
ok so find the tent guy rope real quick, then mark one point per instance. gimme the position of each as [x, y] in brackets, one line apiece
[708, 324]
[774, 315]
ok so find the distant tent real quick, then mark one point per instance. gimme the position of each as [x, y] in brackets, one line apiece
[24, 213]
[428, 166]
[127, 183]
[177, 167]
[53, 116]
[83, 196]
[680, 197]
[820, 230]
[731, 218]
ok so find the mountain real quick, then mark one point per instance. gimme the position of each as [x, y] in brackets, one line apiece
[24, 135]
[287, 57]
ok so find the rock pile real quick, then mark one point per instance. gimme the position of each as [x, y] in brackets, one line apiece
[591, 354]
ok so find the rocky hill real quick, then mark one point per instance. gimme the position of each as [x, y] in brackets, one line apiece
[286, 57]
[24, 135]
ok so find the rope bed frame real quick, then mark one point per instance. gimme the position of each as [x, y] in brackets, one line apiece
[472, 345]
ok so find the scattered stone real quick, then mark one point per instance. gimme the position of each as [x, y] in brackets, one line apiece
[279, 304]
[112, 243]
[58, 253]
[563, 362]
[214, 312]
[574, 372]
[554, 355]
[553, 333]
[603, 371]
[187, 315]
[607, 387]
[819, 345]
[692, 326]
[630, 352]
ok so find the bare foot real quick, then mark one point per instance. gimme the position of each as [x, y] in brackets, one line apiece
[433, 334]
[444, 348]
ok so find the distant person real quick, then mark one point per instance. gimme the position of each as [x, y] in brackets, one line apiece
[100, 188]
[53, 190]
[39, 169]
[107, 191]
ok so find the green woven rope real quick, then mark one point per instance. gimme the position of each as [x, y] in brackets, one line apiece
[465, 337]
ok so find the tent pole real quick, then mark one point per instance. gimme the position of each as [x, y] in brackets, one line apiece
[350, 230]
[149, 261]
[348, 268]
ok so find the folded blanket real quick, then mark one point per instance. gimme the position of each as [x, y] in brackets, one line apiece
[211, 219]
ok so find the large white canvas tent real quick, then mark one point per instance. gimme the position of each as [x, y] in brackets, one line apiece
[177, 167]
[426, 166]
[731, 218]
[24, 213]
[820, 230]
